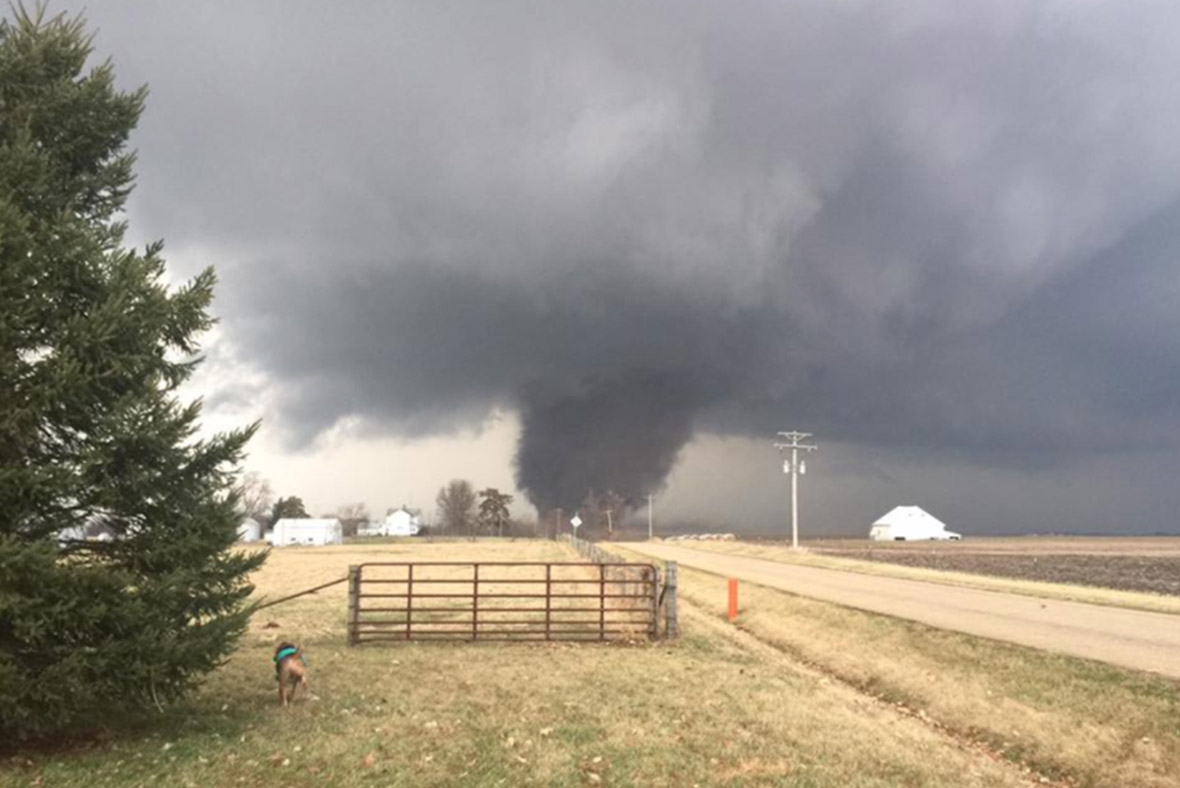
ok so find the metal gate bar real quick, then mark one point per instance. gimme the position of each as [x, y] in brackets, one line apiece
[477, 601]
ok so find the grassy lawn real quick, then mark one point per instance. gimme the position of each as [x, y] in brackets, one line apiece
[1098, 596]
[717, 708]
[1074, 719]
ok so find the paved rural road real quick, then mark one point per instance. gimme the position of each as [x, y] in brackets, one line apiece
[1132, 638]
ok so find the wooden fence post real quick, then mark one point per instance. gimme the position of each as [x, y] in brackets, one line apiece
[354, 607]
[671, 625]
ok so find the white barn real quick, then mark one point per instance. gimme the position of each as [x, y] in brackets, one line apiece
[75, 533]
[249, 530]
[910, 524]
[291, 531]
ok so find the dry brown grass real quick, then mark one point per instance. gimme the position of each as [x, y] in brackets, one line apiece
[1096, 724]
[294, 568]
[1074, 593]
[715, 709]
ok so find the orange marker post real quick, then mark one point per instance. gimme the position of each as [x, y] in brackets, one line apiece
[733, 602]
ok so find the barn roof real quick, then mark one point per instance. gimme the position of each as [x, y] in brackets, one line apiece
[308, 522]
[909, 515]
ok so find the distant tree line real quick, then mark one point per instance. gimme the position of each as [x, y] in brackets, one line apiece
[461, 511]
[464, 512]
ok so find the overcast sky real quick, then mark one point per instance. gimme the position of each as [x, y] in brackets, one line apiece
[551, 246]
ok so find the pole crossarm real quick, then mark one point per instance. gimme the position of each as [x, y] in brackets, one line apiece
[803, 446]
[794, 438]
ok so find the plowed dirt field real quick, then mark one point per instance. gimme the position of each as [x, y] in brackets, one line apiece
[1143, 564]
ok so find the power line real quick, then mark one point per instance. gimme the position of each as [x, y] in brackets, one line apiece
[794, 468]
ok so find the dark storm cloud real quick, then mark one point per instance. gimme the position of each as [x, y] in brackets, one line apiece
[944, 227]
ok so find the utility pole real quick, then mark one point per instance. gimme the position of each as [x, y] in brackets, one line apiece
[650, 530]
[793, 467]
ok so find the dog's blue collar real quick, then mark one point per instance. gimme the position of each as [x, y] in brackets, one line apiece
[290, 651]
[282, 654]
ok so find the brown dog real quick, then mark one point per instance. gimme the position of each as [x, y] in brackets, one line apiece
[291, 671]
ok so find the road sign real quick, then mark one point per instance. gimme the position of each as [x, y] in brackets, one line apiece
[576, 521]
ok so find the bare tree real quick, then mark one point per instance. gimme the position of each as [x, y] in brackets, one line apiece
[256, 497]
[352, 517]
[493, 510]
[456, 507]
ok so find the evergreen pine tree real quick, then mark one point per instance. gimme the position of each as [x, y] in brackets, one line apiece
[287, 507]
[93, 346]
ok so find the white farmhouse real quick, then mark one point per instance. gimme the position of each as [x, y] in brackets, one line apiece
[402, 522]
[909, 524]
[291, 531]
[249, 530]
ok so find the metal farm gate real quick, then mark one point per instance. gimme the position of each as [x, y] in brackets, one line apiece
[502, 601]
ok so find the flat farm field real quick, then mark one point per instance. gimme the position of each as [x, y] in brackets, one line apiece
[797, 692]
[1150, 564]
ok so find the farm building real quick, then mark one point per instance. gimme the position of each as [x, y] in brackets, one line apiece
[249, 530]
[306, 531]
[909, 524]
[75, 533]
[401, 522]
